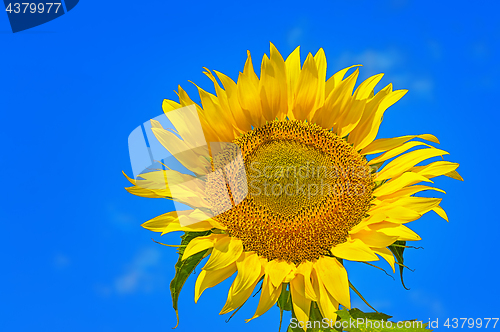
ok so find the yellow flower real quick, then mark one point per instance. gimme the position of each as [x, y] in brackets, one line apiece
[303, 196]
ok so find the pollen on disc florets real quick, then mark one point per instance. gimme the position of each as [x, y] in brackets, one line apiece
[305, 189]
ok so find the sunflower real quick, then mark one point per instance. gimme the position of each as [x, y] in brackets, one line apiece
[293, 193]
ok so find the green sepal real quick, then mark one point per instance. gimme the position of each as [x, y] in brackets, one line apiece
[356, 313]
[379, 183]
[377, 166]
[184, 268]
[398, 250]
[285, 300]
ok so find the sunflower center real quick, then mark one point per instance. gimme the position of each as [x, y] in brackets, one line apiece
[288, 176]
[307, 188]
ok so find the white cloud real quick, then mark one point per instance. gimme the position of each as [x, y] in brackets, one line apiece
[297, 33]
[391, 62]
[294, 36]
[141, 274]
[423, 86]
[61, 261]
[435, 49]
[428, 300]
[373, 61]
[122, 221]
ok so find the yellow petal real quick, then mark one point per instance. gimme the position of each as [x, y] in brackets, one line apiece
[327, 304]
[292, 73]
[248, 93]
[320, 60]
[183, 121]
[407, 161]
[200, 215]
[418, 204]
[305, 269]
[185, 100]
[406, 179]
[354, 250]
[174, 185]
[250, 271]
[306, 98]
[366, 87]
[216, 224]
[208, 279]
[440, 211]
[251, 266]
[272, 86]
[277, 271]
[350, 118]
[374, 239]
[225, 252]
[201, 243]
[169, 222]
[336, 78]
[408, 191]
[454, 175]
[344, 99]
[396, 151]
[401, 231]
[369, 114]
[336, 103]
[374, 218]
[182, 151]
[400, 214]
[242, 118]
[143, 192]
[269, 295]
[215, 116]
[387, 255]
[334, 276]
[436, 168]
[170, 105]
[366, 132]
[385, 144]
[223, 101]
[129, 178]
[301, 304]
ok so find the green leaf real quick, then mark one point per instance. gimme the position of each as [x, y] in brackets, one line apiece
[285, 300]
[357, 321]
[184, 268]
[397, 250]
[356, 313]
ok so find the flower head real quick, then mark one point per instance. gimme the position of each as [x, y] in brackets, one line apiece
[294, 193]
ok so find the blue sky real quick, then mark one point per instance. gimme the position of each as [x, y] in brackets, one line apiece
[74, 257]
